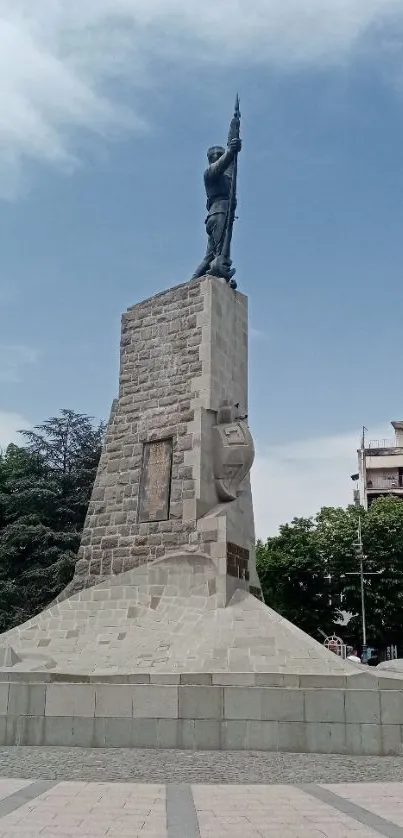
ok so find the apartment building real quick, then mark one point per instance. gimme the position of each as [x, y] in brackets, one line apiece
[380, 466]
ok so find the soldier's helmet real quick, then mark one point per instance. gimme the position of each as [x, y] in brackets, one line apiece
[215, 152]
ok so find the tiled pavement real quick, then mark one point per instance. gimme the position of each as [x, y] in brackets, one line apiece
[117, 793]
[53, 809]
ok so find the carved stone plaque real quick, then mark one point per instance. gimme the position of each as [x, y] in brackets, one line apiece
[237, 561]
[155, 481]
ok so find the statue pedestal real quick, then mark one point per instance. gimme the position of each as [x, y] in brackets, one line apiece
[169, 474]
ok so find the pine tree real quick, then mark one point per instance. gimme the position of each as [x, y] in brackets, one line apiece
[45, 488]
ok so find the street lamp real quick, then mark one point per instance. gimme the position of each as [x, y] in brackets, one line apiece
[360, 573]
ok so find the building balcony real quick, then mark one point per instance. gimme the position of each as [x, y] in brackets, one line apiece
[381, 443]
[384, 486]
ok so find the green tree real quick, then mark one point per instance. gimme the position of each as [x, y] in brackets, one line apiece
[294, 578]
[45, 488]
[382, 539]
[310, 571]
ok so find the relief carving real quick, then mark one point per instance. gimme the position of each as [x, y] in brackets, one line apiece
[233, 451]
[155, 484]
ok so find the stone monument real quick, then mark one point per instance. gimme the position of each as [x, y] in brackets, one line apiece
[162, 638]
[173, 479]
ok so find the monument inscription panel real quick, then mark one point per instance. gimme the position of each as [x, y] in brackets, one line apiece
[155, 481]
[237, 561]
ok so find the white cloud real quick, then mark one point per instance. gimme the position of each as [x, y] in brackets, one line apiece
[10, 424]
[57, 57]
[296, 480]
[13, 359]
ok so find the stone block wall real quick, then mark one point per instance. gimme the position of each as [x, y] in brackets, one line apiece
[183, 353]
[202, 711]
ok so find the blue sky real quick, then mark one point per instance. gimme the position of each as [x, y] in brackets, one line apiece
[105, 119]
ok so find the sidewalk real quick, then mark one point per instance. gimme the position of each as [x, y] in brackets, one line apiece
[52, 809]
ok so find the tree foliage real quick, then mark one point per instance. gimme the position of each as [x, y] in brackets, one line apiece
[293, 573]
[45, 487]
[310, 571]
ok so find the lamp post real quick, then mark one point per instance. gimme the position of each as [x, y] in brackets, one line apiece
[360, 554]
[361, 572]
[361, 559]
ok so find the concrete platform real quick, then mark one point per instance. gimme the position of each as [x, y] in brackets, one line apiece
[146, 659]
[359, 718]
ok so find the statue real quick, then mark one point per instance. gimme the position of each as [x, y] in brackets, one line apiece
[220, 179]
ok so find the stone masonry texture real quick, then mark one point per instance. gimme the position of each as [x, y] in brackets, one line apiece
[183, 352]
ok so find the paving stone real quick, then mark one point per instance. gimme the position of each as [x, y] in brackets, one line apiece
[209, 809]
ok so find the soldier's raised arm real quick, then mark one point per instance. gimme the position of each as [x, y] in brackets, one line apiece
[223, 163]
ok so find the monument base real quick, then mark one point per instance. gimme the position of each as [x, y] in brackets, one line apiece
[147, 660]
[209, 711]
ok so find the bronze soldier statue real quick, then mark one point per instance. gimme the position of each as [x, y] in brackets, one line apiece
[220, 182]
